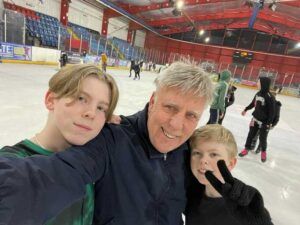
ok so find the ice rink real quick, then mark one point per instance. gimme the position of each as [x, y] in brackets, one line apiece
[22, 114]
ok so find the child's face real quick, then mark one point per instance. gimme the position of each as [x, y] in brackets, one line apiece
[80, 120]
[205, 157]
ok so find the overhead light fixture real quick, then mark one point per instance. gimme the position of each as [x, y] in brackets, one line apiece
[297, 45]
[207, 39]
[201, 32]
[179, 4]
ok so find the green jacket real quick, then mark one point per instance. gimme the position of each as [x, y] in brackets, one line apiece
[221, 91]
[80, 212]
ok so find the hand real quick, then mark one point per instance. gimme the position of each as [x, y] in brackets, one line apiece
[115, 119]
[244, 113]
[244, 202]
[221, 115]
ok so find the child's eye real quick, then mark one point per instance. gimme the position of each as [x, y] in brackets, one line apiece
[81, 99]
[196, 154]
[213, 154]
[102, 109]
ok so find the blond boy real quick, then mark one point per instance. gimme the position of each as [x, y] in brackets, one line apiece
[80, 99]
[215, 197]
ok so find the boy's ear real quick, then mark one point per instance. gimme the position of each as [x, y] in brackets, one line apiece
[49, 100]
[232, 163]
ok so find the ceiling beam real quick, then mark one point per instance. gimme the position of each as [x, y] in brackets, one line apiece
[264, 14]
[134, 9]
[259, 25]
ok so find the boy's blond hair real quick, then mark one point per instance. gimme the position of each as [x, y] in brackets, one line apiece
[215, 133]
[67, 83]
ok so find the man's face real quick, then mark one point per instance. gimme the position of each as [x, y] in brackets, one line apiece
[205, 156]
[79, 120]
[172, 117]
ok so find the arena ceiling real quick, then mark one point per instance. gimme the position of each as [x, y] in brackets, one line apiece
[283, 20]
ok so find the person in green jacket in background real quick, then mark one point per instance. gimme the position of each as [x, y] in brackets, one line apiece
[217, 107]
[80, 99]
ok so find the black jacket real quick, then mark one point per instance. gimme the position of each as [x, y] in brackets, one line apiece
[263, 103]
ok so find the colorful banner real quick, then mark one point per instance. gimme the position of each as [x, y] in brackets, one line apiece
[14, 51]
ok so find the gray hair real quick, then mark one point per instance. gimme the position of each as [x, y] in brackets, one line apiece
[188, 78]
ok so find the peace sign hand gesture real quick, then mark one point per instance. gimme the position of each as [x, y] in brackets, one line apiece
[244, 202]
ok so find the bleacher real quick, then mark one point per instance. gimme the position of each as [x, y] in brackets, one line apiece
[47, 29]
[125, 50]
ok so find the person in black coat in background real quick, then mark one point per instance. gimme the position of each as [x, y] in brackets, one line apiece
[229, 100]
[274, 123]
[263, 115]
[214, 196]
[132, 65]
[137, 70]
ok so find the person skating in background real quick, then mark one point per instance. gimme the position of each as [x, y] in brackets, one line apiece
[63, 59]
[274, 123]
[263, 115]
[214, 195]
[132, 65]
[80, 99]
[229, 100]
[103, 61]
[217, 107]
[137, 70]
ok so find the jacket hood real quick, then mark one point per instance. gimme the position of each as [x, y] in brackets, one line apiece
[265, 83]
[225, 75]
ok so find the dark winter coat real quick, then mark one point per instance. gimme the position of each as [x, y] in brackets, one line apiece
[263, 103]
[230, 98]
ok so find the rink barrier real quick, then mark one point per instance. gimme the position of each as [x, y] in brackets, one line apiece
[29, 62]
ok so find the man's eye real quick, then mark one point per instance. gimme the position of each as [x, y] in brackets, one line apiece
[170, 108]
[192, 116]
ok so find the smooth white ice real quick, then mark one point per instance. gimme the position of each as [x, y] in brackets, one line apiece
[22, 114]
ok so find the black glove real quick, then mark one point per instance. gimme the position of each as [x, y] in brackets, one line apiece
[244, 202]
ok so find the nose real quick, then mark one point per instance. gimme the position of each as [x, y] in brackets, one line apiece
[204, 161]
[177, 121]
[89, 112]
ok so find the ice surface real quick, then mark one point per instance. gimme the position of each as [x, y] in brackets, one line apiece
[22, 114]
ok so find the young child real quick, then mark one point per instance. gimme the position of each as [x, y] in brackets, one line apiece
[264, 107]
[274, 123]
[80, 100]
[214, 196]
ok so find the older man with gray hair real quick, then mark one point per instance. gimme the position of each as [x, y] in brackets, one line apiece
[140, 165]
